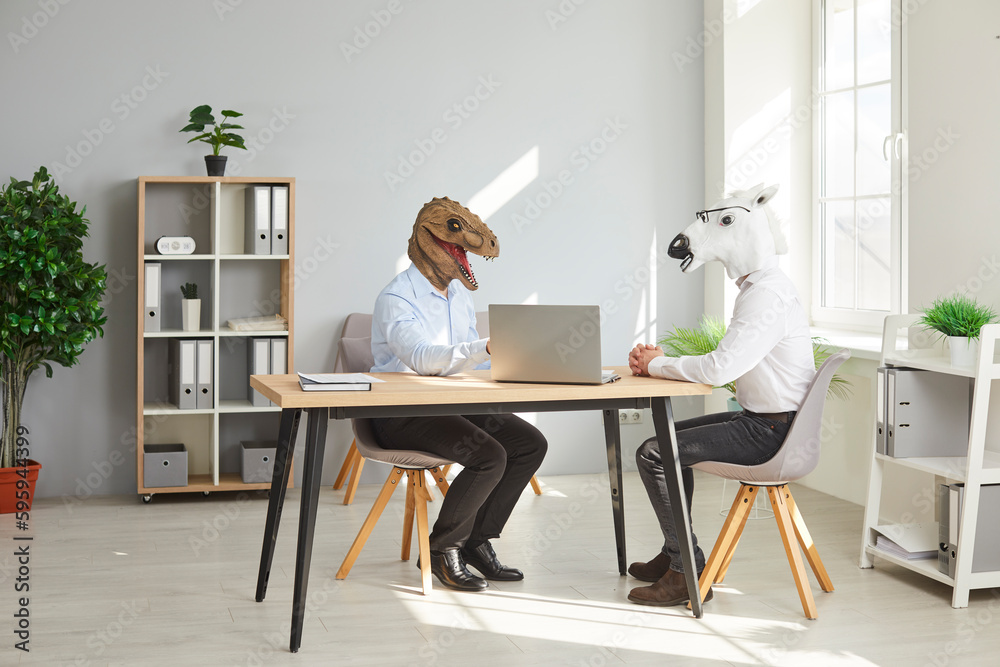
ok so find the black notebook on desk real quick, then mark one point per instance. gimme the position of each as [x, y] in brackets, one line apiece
[336, 382]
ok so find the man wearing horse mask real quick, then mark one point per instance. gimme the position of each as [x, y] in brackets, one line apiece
[767, 350]
[424, 322]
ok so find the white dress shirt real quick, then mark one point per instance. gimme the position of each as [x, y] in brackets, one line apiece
[415, 329]
[767, 348]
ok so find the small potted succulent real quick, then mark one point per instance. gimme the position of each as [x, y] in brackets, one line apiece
[683, 342]
[190, 307]
[958, 318]
[222, 135]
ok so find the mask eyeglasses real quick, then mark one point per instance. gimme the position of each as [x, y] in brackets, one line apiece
[703, 215]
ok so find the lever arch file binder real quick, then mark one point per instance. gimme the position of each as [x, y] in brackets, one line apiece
[182, 377]
[257, 212]
[926, 413]
[151, 300]
[258, 363]
[205, 387]
[986, 552]
[279, 220]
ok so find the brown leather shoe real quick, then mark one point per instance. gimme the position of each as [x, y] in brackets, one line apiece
[650, 571]
[669, 590]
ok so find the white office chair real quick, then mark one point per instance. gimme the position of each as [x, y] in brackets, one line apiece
[798, 456]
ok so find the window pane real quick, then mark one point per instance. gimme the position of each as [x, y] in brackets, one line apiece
[838, 144]
[874, 254]
[838, 41]
[874, 41]
[838, 254]
[873, 127]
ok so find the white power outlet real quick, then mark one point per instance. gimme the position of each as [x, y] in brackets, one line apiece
[630, 416]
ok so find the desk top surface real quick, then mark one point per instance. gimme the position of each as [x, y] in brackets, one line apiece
[471, 387]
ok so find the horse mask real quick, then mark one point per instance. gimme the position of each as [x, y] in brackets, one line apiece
[740, 231]
[442, 235]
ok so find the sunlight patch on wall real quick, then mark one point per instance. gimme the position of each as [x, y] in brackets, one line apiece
[506, 186]
[402, 263]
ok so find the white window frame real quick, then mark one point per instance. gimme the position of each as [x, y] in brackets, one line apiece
[896, 147]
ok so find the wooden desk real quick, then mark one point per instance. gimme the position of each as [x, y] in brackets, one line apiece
[406, 394]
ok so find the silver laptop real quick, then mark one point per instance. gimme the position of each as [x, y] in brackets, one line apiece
[560, 344]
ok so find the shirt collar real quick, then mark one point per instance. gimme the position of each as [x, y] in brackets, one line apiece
[421, 286]
[752, 277]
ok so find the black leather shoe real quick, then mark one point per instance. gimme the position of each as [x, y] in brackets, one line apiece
[484, 559]
[448, 567]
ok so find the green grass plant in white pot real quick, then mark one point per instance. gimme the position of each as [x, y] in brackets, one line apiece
[958, 318]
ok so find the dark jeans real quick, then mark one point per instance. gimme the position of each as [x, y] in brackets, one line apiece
[499, 454]
[728, 437]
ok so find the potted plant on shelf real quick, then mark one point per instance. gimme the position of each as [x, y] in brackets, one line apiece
[958, 318]
[222, 135]
[50, 305]
[190, 307]
[683, 342]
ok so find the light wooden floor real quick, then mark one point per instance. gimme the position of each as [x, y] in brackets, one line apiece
[117, 582]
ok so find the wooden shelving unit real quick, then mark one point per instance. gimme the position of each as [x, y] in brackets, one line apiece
[981, 466]
[231, 284]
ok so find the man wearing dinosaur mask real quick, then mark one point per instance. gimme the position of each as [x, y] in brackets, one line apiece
[425, 322]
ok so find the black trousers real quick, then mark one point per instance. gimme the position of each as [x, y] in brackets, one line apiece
[499, 454]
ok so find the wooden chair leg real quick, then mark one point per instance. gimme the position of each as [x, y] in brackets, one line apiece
[408, 511]
[734, 521]
[421, 495]
[394, 480]
[446, 469]
[751, 499]
[536, 486]
[807, 544]
[352, 485]
[438, 475]
[785, 526]
[352, 452]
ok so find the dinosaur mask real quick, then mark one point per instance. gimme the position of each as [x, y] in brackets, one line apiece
[442, 235]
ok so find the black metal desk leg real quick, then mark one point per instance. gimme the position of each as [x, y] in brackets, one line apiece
[613, 441]
[666, 438]
[287, 430]
[312, 474]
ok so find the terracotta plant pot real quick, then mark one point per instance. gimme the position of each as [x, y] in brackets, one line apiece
[9, 487]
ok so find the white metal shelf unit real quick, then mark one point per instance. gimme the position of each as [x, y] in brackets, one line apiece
[979, 467]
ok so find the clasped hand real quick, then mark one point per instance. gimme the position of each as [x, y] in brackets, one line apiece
[641, 355]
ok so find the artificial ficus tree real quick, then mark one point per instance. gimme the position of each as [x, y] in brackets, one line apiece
[50, 298]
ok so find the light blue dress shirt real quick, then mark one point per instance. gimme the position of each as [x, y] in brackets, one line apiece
[415, 329]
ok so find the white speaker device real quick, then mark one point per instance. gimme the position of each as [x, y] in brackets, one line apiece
[175, 245]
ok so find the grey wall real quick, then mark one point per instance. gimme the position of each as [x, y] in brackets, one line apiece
[98, 92]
